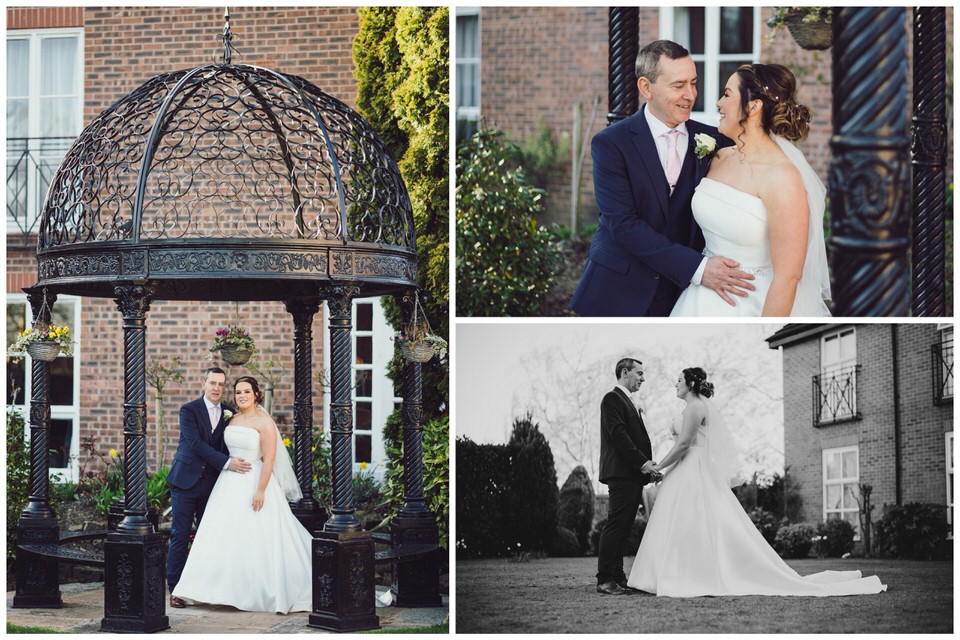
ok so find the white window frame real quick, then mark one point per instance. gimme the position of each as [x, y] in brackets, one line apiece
[70, 473]
[830, 365]
[946, 334]
[842, 481]
[35, 38]
[711, 85]
[948, 463]
[469, 112]
[382, 398]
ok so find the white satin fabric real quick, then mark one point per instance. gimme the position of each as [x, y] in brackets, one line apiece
[700, 542]
[734, 225]
[251, 560]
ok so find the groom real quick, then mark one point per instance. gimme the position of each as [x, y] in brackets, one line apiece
[626, 465]
[647, 246]
[201, 455]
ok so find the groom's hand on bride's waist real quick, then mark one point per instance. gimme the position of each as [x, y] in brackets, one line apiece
[239, 465]
[724, 276]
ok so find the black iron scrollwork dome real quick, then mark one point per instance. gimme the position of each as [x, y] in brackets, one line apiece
[244, 181]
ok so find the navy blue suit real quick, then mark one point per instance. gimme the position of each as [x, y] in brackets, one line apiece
[647, 245]
[201, 455]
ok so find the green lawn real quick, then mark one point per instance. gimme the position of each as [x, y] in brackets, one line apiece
[16, 628]
[557, 595]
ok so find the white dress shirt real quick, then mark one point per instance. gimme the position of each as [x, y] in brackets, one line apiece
[657, 130]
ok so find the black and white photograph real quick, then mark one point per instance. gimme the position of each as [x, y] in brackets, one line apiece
[722, 478]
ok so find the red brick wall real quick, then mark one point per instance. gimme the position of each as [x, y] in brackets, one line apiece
[922, 429]
[123, 48]
[536, 62]
[44, 17]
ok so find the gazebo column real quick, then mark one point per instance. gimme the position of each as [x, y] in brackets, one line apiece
[343, 554]
[929, 151]
[135, 579]
[624, 45]
[869, 173]
[416, 579]
[308, 509]
[38, 583]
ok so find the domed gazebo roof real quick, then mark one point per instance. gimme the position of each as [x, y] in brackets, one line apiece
[227, 182]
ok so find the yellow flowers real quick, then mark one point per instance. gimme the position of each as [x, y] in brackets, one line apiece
[363, 465]
[113, 453]
[286, 441]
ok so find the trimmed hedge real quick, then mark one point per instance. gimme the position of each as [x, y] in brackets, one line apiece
[533, 499]
[836, 538]
[916, 531]
[795, 540]
[483, 482]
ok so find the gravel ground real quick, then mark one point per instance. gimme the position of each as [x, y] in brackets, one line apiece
[557, 595]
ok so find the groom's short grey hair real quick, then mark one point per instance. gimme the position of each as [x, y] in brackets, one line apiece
[647, 65]
[626, 364]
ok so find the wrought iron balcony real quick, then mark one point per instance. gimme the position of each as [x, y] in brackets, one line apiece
[942, 355]
[31, 165]
[835, 396]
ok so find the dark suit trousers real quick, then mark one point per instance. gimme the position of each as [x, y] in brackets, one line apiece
[188, 506]
[625, 497]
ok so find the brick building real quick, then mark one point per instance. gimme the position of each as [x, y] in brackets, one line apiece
[518, 67]
[64, 66]
[867, 403]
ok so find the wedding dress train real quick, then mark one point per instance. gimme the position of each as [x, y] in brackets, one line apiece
[700, 542]
[251, 560]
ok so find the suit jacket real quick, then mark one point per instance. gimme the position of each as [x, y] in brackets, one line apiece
[198, 447]
[636, 253]
[624, 442]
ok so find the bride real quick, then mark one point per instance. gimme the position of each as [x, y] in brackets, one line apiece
[250, 551]
[699, 541]
[761, 204]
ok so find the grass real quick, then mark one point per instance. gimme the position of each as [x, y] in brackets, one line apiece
[437, 628]
[17, 628]
[557, 595]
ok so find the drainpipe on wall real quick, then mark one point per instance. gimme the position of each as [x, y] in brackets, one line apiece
[896, 414]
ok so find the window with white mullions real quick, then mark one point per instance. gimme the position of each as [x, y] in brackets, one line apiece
[468, 72]
[719, 39]
[841, 480]
[64, 390]
[44, 115]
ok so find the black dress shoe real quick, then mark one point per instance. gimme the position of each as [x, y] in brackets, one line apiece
[623, 585]
[610, 588]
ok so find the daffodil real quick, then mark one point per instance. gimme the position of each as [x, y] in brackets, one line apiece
[113, 453]
[286, 441]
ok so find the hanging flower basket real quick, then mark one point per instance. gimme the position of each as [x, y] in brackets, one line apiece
[417, 350]
[44, 350]
[813, 35]
[235, 355]
[43, 344]
[234, 344]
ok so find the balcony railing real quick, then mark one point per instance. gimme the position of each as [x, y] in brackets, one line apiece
[31, 164]
[942, 355]
[835, 396]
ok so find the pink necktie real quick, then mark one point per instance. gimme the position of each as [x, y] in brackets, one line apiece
[214, 418]
[674, 161]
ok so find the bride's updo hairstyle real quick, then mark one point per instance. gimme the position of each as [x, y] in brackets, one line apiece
[257, 393]
[696, 380]
[776, 87]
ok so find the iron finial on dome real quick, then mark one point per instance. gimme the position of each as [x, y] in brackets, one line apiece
[227, 37]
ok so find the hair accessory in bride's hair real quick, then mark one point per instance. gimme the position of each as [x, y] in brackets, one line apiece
[766, 92]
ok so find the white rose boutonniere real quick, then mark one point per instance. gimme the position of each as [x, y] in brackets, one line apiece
[227, 414]
[706, 145]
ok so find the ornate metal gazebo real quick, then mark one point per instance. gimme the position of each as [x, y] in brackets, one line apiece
[232, 182]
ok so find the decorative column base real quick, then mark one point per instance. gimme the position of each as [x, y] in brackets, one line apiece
[38, 579]
[344, 597]
[311, 515]
[416, 578]
[135, 584]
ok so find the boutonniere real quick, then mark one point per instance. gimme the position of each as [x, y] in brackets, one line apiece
[706, 145]
[227, 414]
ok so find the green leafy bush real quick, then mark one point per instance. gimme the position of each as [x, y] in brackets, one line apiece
[158, 490]
[506, 261]
[766, 523]
[18, 476]
[533, 500]
[576, 506]
[564, 544]
[634, 537]
[795, 540]
[483, 483]
[836, 538]
[322, 480]
[916, 531]
[104, 498]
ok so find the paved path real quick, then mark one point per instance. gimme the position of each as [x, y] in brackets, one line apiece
[558, 595]
[83, 609]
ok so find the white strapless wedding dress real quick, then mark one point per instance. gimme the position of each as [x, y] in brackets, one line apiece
[700, 542]
[734, 225]
[251, 560]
